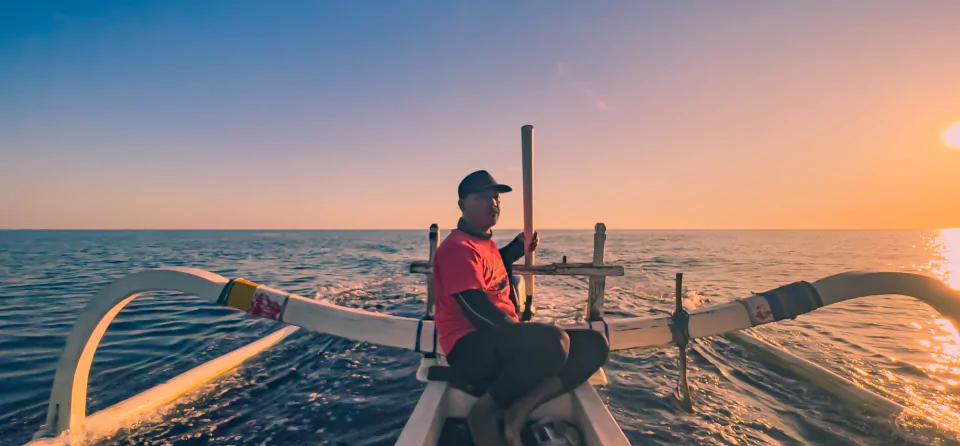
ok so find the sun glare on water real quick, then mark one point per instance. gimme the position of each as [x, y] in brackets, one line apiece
[942, 343]
[947, 267]
[951, 136]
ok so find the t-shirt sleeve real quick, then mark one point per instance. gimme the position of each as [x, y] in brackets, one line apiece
[462, 269]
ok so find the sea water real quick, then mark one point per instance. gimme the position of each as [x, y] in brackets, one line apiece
[317, 389]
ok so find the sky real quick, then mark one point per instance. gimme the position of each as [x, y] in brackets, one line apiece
[366, 115]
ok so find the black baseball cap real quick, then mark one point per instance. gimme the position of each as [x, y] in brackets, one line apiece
[480, 181]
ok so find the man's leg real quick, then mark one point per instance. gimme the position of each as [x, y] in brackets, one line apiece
[482, 421]
[532, 355]
[474, 359]
[588, 352]
[522, 355]
[527, 354]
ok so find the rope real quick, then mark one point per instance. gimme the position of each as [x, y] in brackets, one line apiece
[606, 328]
[680, 327]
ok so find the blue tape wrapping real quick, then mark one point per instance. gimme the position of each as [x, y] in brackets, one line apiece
[225, 293]
[416, 343]
[792, 300]
[776, 306]
[434, 338]
[806, 297]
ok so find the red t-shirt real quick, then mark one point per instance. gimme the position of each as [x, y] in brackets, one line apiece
[463, 262]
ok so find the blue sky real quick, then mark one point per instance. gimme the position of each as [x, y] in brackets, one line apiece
[367, 114]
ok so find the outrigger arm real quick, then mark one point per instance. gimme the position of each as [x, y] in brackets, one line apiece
[67, 406]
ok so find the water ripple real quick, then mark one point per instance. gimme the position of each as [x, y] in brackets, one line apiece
[319, 389]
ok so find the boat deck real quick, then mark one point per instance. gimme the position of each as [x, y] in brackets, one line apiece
[456, 432]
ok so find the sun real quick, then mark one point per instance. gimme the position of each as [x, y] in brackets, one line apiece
[951, 136]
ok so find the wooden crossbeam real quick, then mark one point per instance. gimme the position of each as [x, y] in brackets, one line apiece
[551, 269]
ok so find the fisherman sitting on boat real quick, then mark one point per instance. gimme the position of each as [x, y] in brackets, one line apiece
[521, 365]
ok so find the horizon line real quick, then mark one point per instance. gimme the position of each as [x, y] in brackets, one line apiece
[495, 230]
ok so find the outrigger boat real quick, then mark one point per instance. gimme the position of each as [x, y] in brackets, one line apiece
[444, 402]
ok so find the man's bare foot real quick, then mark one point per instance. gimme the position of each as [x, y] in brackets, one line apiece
[482, 420]
[513, 427]
[512, 436]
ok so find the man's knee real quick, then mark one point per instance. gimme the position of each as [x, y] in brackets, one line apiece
[553, 342]
[541, 331]
[562, 336]
[554, 334]
[598, 341]
[592, 343]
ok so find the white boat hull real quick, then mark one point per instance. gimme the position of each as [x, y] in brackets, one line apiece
[582, 407]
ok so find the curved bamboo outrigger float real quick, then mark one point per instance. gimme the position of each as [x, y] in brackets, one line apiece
[67, 408]
[443, 399]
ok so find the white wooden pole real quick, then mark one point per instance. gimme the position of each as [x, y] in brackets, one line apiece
[527, 139]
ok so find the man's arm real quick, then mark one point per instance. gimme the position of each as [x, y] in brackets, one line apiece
[515, 249]
[481, 312]
[512, 252]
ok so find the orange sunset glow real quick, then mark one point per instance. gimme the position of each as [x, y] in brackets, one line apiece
[480, 222]
[672, 118]
[951, 136]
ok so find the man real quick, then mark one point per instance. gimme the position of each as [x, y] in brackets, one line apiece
[521, 365]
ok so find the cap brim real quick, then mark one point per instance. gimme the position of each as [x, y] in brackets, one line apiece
[502, 188]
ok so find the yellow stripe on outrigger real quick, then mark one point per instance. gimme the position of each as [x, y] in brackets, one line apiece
[241, 294]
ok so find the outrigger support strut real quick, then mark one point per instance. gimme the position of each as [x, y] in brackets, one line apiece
[680, 328]
[429, 359]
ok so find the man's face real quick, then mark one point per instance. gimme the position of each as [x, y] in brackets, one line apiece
[482, 209]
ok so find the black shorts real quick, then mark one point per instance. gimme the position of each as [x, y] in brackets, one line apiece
[511, 360]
